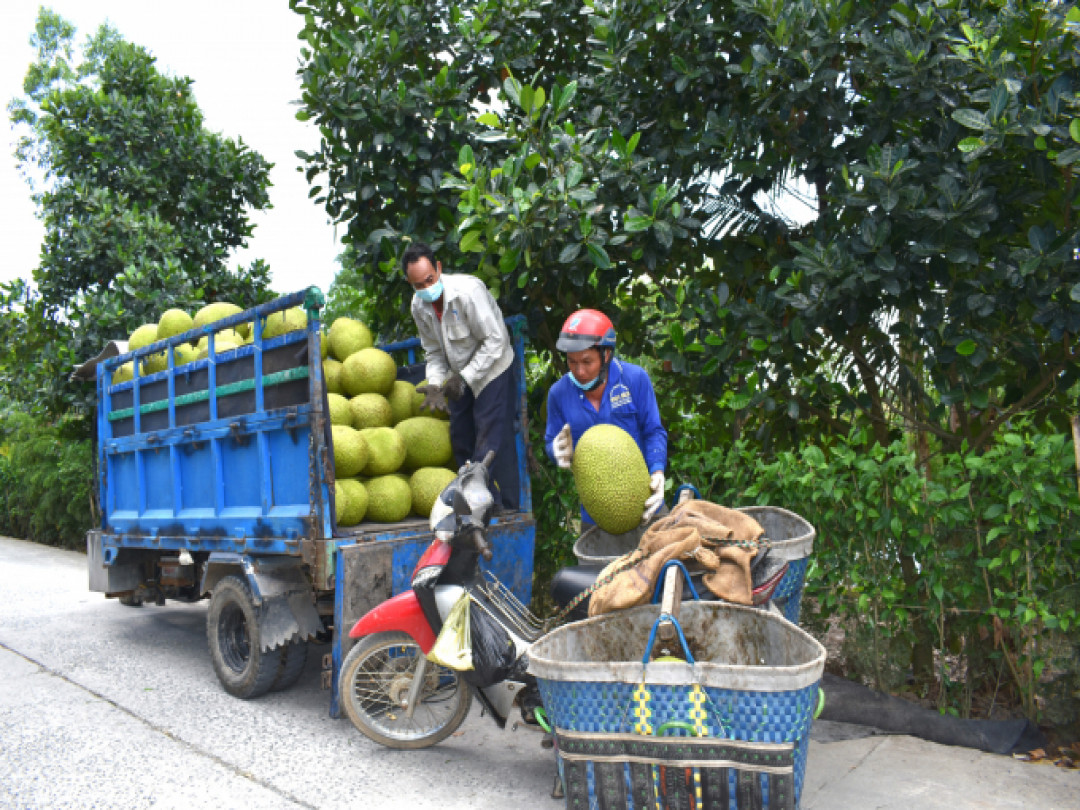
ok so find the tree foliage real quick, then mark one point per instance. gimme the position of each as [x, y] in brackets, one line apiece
[593, 153]
[141, 205]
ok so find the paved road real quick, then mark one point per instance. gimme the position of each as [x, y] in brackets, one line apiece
[106, 706]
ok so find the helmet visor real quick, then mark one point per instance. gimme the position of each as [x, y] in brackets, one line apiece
[568, 342]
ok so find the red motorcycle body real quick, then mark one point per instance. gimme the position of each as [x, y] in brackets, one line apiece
[403, 612]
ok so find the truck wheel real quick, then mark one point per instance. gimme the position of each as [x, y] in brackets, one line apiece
[374, 685]
[293, 659]
[232, 631]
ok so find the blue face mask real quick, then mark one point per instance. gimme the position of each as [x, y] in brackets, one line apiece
[431, 294]
[589, 386]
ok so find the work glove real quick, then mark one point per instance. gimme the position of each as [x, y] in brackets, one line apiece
[563, 447]
[434, 398]
[654, 501]
[454, 387]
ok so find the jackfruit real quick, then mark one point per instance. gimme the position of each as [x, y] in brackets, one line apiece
[368, 371]
[227, 335]
[386, 450]
[350, 451]
[340, 412]
[427, 441]
[426, 484]
[217, 311]
[123, 374]
[351, 501]
[401, 400]
[348, 337]
[389, 498]
[370, 410]
[289, 320]
[173, 322]
[184, 353]
[221, 345]
[143, 336]
[331, 370]
[611, 478]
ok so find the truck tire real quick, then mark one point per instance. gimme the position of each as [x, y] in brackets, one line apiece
[376, 677]
[232, 632]
[293, 659]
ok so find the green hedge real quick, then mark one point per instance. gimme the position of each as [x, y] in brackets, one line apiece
[46, 482]
[977, 554]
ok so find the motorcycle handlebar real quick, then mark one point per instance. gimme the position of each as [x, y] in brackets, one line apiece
[488, 459]
[481, 544]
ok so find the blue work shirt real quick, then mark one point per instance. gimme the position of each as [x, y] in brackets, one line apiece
[629, 402]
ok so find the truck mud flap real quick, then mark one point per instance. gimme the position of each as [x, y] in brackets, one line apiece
[280, 591]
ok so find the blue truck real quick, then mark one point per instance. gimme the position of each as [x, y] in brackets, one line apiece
[216, 480]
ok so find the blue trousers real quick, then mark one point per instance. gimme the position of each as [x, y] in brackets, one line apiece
[486, 422]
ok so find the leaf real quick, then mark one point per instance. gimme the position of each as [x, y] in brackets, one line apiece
[489, 119]
[966, 348]
[599, 256]
[569, 252]
[636, 224]
[1074, 125]
[470, 242]
[972, 119]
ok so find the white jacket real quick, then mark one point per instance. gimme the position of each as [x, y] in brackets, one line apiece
[471, 338]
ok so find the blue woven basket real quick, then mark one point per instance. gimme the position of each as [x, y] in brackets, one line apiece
[753, 688]
[791, 537]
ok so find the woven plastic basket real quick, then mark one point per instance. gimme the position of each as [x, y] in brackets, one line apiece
[791, 537]
[750, 694]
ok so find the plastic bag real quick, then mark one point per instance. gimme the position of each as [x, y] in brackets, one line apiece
[493, 651]
[453, 647]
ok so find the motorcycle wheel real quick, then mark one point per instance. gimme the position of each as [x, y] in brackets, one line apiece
[374, 683]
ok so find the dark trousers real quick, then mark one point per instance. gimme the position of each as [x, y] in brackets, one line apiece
[486, 422]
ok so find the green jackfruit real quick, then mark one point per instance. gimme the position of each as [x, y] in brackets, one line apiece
[386, 450]
[289, 320]
[401, 400]
[173, 322]
[340, 412]
[351, 500]
[347, 337]
[331, 369]
[217, 311]
[389, 499]
[143, 336]
[350, 451]
[370, 410]
[426, 484]
[368, 371]
[427, 441]
[611, 478]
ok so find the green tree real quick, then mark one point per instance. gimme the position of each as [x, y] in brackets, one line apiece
[571, 152]
[141, 204]
[592, 152]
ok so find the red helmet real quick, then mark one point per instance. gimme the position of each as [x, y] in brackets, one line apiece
[584, 329]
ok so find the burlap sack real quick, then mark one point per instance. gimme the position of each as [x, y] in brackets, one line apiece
[696, 530]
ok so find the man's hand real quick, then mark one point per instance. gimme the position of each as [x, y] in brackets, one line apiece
[563, 447]
[656, 484]
[454, 387]
[434, 398]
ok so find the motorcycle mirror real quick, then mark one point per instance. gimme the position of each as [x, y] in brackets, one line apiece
[461, 505]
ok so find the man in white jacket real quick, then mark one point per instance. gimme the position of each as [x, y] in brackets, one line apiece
[470, 365]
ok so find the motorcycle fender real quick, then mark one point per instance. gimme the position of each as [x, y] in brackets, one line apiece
[401, 612]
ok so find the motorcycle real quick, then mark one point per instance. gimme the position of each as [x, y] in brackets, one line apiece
[396, 696]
